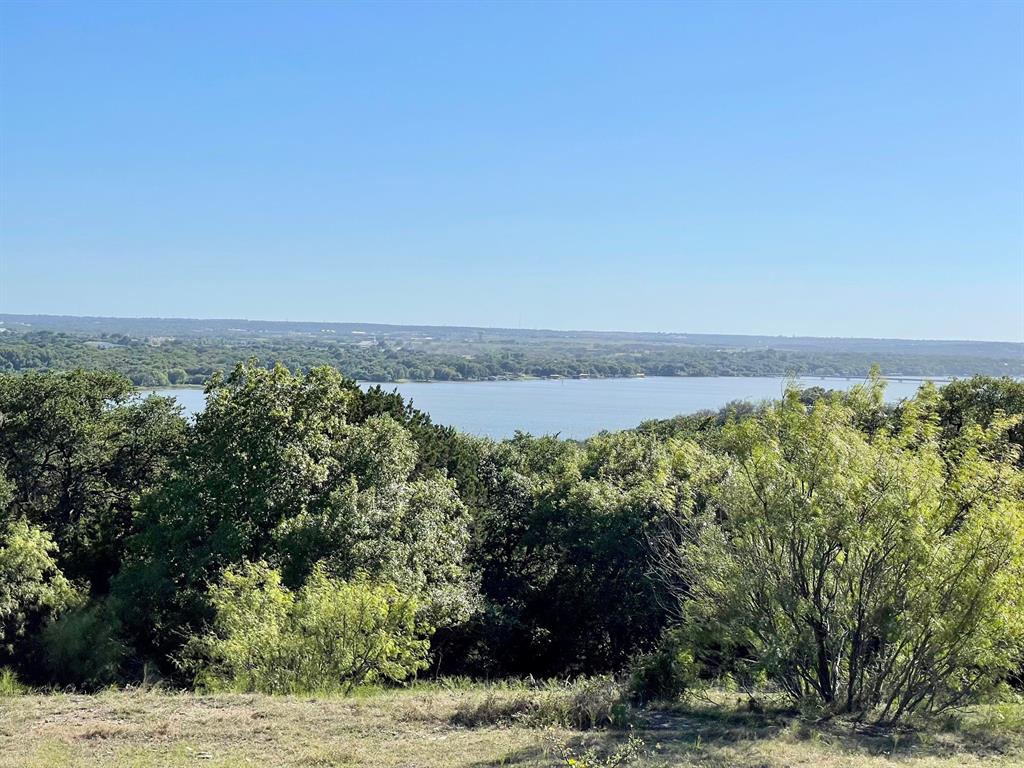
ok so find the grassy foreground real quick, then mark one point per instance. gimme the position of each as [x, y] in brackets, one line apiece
[425, 727]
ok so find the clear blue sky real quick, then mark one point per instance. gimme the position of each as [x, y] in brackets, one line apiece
[827, 169]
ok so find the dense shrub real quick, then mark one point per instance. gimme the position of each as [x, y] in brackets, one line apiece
[32, 588]
[327, 636]
[562, 537]
[588, 702]
[666, 673]
[83, 649]
[980, 401]
[863, 556]
[879, 573]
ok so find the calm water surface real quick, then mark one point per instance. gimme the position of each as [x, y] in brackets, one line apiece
[578, 408]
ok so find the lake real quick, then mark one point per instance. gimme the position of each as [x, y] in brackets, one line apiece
[578, 408]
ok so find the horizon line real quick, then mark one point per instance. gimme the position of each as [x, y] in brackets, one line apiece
[503, 328]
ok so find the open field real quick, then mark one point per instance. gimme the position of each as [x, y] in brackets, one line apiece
[417, 728]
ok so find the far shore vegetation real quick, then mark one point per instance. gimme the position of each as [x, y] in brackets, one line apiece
[163, 353]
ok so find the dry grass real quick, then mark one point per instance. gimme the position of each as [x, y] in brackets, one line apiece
[418, 728]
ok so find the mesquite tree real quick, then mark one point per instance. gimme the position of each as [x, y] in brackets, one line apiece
[876, 570]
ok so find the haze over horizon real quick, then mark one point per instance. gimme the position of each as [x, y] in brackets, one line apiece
[477, 326]
[822, 170]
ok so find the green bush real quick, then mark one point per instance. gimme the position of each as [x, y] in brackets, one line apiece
[326, 637]
[277, 469]
[32, 587]
[877, 573]
[83, 649]
[665, 674]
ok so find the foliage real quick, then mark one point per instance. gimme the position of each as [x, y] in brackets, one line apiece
[588, 702]
[438, 447]
[82, 647]
[32, 587]
[79, 449]
[864, 557]
[187, 355]
[665, 674]
[981, 400]
[561, 536]
[327, 636]
[877, 572]
[276, 471]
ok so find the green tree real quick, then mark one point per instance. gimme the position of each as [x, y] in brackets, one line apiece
[980, 400]
[79, 449]
[276, 471]
[561, 537]
[877, 572]
[32, 588]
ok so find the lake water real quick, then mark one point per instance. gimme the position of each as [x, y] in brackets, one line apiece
[578, 408]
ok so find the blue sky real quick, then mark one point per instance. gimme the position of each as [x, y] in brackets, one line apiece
[799, 168]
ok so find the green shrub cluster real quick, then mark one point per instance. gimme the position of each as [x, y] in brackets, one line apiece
[83, 646]
[305, 535]
[861, 563]
[667, 673]
[326, 637]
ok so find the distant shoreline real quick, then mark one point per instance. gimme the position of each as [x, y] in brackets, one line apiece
[945, 379]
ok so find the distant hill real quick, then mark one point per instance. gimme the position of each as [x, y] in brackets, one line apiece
[159, 351]
[186, 328]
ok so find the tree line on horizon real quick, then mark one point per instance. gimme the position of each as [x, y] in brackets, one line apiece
[192, 361]
[303, 535]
